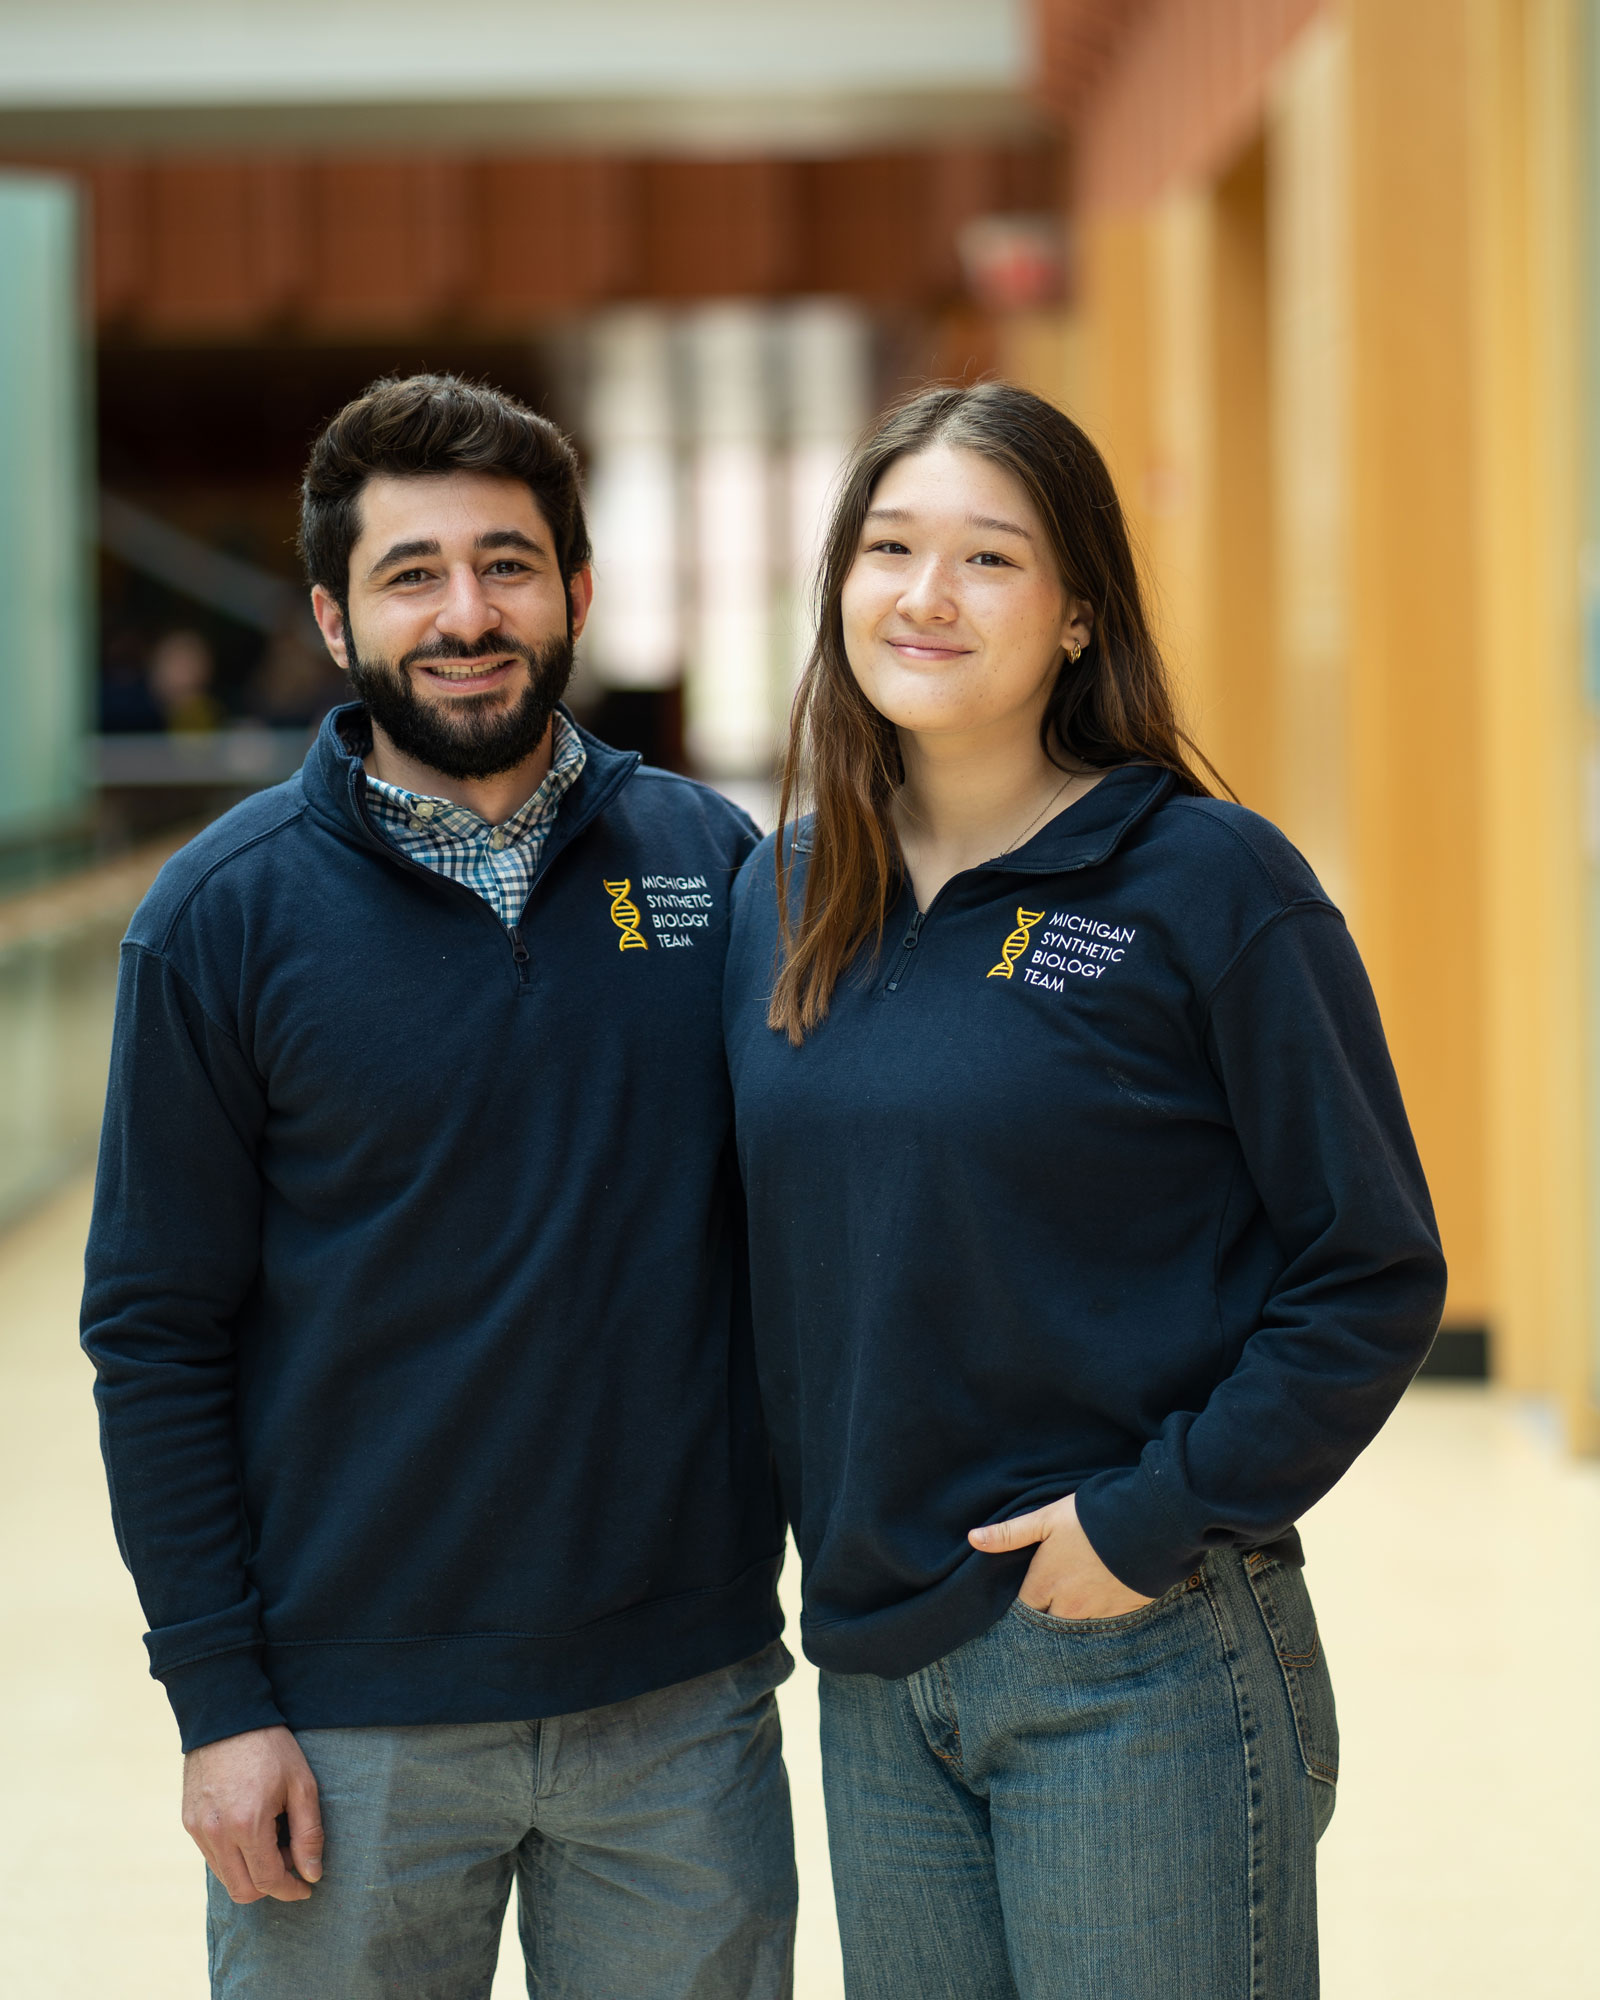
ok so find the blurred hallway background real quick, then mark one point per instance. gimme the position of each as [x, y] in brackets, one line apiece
[1322, 278]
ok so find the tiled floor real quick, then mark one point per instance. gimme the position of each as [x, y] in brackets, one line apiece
[1457, 1572]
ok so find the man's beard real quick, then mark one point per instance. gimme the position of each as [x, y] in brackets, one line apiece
[468, 735]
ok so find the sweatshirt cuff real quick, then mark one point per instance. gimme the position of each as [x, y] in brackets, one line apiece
[221, 1696]
[1133, 1532]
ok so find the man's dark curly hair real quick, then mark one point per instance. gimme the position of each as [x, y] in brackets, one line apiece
[410, 424]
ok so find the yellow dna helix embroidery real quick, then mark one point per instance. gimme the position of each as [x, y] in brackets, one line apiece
[625, 916]
[1016, 944]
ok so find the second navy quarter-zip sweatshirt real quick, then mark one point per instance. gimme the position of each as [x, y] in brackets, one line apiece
[1095, 1180]
[416, 1280]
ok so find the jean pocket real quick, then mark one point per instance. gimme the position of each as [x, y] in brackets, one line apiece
[1125, 1621]
[1286, 1611]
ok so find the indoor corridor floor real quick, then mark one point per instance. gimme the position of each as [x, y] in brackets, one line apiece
[1456, 1571]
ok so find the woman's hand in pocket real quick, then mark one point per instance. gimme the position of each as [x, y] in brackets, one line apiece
[1066, 1578]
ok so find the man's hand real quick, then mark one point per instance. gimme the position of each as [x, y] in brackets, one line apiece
[1066, 1577]
[235, 1792]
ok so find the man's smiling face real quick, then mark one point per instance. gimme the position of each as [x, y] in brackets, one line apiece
[458, 628]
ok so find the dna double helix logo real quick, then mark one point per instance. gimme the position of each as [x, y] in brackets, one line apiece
[625, 916]
[1016, 944]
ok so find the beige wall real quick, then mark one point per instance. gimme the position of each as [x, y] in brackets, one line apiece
[1415, 698]
[1524, 79]
[1336, 380]
[1308, 263]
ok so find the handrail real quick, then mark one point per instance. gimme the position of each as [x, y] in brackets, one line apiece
[98, 894]
[58, 981]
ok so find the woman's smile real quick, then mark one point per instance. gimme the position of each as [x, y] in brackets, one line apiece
[936, 650]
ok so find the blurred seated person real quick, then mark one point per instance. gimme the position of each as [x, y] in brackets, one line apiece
[126, 703]
[180, 676]
[294, 686]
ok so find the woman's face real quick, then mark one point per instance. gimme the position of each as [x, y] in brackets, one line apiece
[954, 613]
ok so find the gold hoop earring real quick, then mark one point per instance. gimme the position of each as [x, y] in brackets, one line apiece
[1077, 652]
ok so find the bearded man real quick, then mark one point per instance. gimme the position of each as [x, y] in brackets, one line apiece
[415, 1294]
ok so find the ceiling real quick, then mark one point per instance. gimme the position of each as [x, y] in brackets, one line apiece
[694, 75]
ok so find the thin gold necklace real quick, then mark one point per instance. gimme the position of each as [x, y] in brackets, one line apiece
[1071, 778]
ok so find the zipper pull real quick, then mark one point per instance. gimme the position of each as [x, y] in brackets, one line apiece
[907, 943]
[519, 951]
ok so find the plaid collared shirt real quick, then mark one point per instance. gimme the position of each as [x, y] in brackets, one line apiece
[499, 862]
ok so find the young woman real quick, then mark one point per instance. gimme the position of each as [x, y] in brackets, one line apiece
[1089, 1248]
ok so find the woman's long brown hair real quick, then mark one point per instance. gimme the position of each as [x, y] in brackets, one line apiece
[1113, 706]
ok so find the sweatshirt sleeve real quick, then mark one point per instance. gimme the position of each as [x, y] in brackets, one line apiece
[1294, 1036]
[171, 1257]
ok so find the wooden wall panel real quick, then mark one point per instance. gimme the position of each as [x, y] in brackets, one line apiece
[392, 243]
[717, 228]
[280, 233]
[554, 233]
[1416, 736]
[1246, 720]
[1309, 304]
[867, 225]
[1527, 74]
[1163, 91]
[202, 276]
[118, 227]
[353, 246]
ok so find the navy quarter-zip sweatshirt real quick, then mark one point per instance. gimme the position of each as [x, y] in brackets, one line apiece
[416, 1284]
[1095, 1179]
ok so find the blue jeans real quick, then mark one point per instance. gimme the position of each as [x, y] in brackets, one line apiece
[650, 1842]
[1091, 1809]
